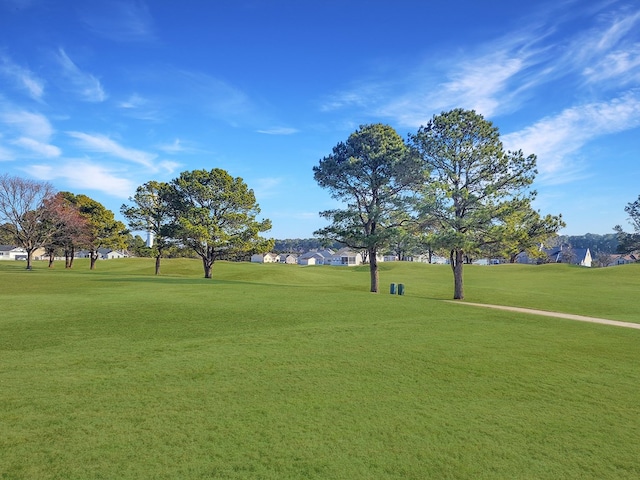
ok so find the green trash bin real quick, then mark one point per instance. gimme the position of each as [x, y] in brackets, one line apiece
[392, 290]
[401, 289]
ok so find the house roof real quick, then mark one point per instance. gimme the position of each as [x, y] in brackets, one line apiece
[7, 248]
[578, 254]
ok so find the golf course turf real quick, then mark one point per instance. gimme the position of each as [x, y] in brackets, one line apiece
[282, 371]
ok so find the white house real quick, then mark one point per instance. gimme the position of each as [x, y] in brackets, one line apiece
[107, 254]
[345, 257]
[435, 259]
[103, 254]
[265, 258]
[289, 258]
[11, 252]
[315, 257]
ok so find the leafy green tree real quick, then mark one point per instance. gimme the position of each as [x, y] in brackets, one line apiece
[472, 180]
[22, 212]
[103, 231]
[372, 172]
[523, 229]
[630, 242]
[216, 215]
[7, 234]
[152, 211]
[137, 246]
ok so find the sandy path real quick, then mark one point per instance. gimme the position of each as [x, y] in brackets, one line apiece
[569, 316]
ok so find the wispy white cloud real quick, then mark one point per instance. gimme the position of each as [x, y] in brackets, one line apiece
[40, 148]
[556, 139]
[363, 94]
[177, 146]
[121, 21]
[31, 132]
[168, 166]
[608, 50]
[104, 144]
[33, 125]
[22, 77]
[497, 77]
[84, 175]
[84, 84]
[141, 108]
[217, 97]
[623, 65]
[266, 187]
[6, 155]
[279, 131]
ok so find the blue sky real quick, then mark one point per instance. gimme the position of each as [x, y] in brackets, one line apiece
[99, 97]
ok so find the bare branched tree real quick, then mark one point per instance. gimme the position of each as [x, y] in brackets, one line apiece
[22, 210]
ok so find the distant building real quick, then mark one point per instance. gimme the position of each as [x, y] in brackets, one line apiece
[265, 258]
[560, 254]
[12, 252]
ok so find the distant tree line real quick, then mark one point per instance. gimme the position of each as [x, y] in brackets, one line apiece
[209, 213]
[302, 245]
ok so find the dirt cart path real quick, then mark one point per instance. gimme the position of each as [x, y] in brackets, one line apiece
[569, 316]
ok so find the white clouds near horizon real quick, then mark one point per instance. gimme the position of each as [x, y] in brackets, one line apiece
[84, 175]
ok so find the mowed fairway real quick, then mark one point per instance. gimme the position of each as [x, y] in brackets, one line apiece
[278, 371]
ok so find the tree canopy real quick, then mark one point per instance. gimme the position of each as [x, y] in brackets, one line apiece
[474, 183]
[215, 215]
[630, 242]
[103, 229]
[22, 212]
[151, 211]
[371, 172]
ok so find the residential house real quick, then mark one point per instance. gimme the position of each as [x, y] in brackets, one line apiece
[315, 257]
[265, 258]
[108, 254]
[12, 252]
[103, 254]
[424, 258]
[623, 259]
[567, 254]
[345, 257]
[289, 258]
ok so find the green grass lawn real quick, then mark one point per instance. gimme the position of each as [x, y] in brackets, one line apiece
[278, 371]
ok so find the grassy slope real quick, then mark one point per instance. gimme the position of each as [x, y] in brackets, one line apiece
[275, 371]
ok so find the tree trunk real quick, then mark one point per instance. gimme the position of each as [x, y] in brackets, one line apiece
[69, 254]
[158, 264]
[207, 263]
[373, 269]
[29, 255]
[52, 257]
[93, 256]
[456, 258]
